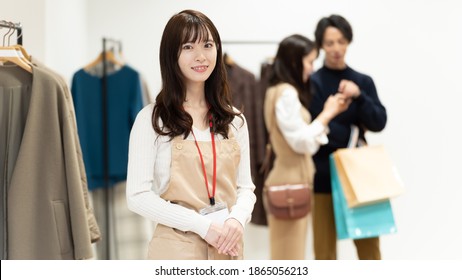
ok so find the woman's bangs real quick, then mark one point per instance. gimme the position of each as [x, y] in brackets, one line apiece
[196, 31]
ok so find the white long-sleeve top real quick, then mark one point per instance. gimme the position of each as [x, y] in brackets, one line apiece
[301, 137]
[149, 174]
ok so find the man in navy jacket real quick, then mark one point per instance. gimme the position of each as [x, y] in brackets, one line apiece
[333, 35]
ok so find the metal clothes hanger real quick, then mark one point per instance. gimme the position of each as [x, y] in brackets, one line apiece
[15, 54]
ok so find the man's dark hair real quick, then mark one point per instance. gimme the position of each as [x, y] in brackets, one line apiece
[336, 21]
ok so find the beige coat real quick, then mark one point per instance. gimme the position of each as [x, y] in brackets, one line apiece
[95, 232]
[47, 214]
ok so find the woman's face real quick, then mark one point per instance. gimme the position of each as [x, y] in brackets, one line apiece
[197, 60]
[335, 46]
[308, 64]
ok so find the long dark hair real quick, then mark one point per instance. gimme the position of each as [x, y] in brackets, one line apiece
[189, 26]
[288, 65]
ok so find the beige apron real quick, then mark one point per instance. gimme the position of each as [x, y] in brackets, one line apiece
[287, 237]
[187, 188]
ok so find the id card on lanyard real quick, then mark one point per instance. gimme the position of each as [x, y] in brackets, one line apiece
[217, 211]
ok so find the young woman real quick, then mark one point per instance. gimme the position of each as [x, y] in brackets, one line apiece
[294, 136]
[189, 163]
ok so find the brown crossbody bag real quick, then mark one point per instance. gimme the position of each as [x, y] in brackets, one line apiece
[286, 201]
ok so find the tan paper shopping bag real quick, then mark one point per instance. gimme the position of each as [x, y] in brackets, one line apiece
[367, 174]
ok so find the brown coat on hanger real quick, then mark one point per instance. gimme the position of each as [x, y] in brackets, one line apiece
[47, 215]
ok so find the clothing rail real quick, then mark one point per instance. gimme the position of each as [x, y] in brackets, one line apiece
[17, 26]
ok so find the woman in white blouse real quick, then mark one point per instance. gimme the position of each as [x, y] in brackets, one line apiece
[189, 164]
[294, 136]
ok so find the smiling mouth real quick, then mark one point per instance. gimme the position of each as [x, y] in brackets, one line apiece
[199, 68]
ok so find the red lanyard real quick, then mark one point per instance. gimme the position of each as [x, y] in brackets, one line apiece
[214, 183]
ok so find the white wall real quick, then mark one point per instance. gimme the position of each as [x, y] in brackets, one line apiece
[32, 19]
[411, 49]
[54, 31]
[66, 35]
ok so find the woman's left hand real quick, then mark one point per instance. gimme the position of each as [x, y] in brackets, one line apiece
[231, 234]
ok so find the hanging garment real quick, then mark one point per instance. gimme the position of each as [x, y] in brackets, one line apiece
[243, 87]
[42, 193]
[124, 100]
[146, 94]
[95, 233]
[246, 95]
[259, 213]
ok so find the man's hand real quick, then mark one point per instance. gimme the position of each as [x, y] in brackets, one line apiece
[349, 89]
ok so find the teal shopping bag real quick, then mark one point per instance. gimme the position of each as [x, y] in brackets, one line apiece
[359, 222]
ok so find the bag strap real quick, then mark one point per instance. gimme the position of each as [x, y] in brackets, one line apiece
[354, 138]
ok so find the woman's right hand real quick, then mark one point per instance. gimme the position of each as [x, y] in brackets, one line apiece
[334, 105]
[213, 235]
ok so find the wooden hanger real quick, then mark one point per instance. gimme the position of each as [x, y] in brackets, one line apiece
[25, 55]
[110, 57]
[15, 55]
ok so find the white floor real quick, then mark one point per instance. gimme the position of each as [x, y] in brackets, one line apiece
[256, 245]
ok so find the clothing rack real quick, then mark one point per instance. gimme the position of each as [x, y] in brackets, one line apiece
[108, 192]
[16, 26]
